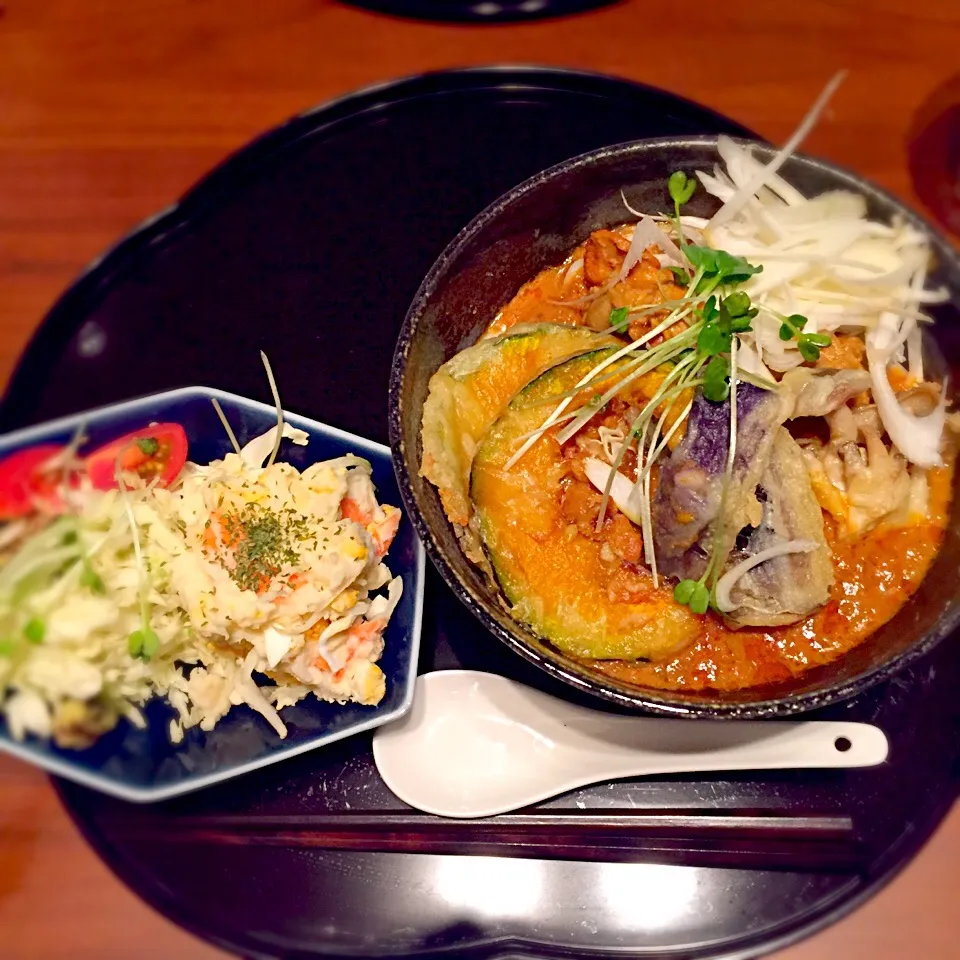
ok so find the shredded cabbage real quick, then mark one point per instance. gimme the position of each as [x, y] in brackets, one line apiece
[622, 491]
[822, 257]
[245, 570]
[825, 259]
[918, 438]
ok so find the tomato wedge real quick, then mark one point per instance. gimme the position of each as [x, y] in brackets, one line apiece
[156, 453]
[23, 482]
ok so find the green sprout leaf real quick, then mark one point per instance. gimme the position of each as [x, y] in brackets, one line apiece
[7, 647]
[148, 445]
[684, 590]
[35, 630]
[718, 267]
[619, 318]
[710, 309]
[733, 269]
[734, 314]
[143, 643]
[713, 340]
[151, 644]
[682, 275]
[681, 187]
[700, 599]
[92, 580]
[692, 594]
[703, 258]
[716, 379]
[738, 304]
[135, 643]
[809, 344]
[791, 326]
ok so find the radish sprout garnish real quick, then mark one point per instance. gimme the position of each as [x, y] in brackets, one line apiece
[276, 400]
[231, 436]
[144, 642]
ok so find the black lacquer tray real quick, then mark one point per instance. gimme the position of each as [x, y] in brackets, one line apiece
[310, 244]
[479, 11]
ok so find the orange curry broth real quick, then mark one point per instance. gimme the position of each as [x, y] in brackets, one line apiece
[553, 297]
[874, 574]
[538, 301]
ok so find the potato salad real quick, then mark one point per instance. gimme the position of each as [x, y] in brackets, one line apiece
[241, 581]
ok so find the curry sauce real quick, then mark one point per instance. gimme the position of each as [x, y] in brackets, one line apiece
[874, 573]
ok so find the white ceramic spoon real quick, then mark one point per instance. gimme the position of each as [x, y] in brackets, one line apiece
[477, 744]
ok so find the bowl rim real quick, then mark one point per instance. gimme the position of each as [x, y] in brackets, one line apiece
[554, 663]
[69, 769]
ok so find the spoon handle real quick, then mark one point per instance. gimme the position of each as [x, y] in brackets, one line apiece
[661, 746]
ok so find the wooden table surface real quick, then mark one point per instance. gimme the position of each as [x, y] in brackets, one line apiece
[109, 109]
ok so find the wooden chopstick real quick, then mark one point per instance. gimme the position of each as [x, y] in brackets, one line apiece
[753, 840]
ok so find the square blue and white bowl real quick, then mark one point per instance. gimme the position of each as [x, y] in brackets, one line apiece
[143, 765]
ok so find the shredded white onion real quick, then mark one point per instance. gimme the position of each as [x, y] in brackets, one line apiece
[820, 257]
[765, 176]
[575, 267]
[621, 489]
[626, 203]
[915, 351]
[648, 234]
[726, 583]
[918, 438]
[750, 362]
[638, 243]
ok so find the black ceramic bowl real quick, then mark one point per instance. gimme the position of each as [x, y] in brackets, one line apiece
[536, 225]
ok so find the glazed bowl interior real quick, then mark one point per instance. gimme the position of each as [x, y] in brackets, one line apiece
[536, 225]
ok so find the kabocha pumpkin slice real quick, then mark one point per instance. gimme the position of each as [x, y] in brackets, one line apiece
[556, 579]
[470, 391]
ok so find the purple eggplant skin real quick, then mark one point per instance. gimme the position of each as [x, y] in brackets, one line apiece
[690, 485]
